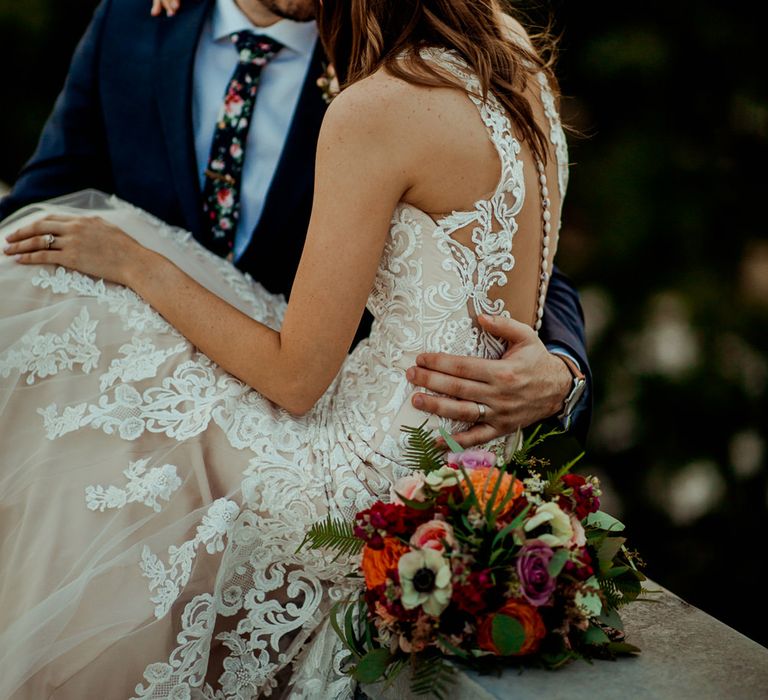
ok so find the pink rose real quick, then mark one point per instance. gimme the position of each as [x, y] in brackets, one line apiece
[579, 536]
[236, 150]
[471, 459]
[225, 198]
[434, 534]
[233, 105]
[410, 487]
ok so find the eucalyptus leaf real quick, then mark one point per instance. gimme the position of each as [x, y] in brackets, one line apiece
[616, 571]
[372, 666]
[611, 618]
[557, 562]
[595, 636]
[610, 548]
[604, 521]
[622, 648]
[508, 634]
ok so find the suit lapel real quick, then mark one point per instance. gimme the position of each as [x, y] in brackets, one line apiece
[295, 171]
[177, 45]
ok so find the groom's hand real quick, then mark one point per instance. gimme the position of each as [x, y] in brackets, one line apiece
[526, 385]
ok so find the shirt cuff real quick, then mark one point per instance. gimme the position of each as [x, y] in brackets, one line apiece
[557, 350]
[567, 420]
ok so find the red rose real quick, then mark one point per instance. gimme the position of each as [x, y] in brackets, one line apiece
[583, 500]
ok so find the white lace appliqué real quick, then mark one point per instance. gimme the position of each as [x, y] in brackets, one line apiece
[143, 486]
[44, 354]
[167, 581]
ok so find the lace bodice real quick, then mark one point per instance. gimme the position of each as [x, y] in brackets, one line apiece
[430, 287]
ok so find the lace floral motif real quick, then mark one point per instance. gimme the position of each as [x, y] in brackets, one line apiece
[143, 487]
[141, 360]
[182, 407]
[135, 314]
[187, 663]
[42, 355]
[167, 582]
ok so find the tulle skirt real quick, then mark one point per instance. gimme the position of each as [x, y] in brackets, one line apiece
[150, 504]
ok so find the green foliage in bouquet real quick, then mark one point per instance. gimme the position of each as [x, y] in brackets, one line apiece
[481, 560]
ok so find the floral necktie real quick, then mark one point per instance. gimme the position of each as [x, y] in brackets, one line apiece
[221, 191]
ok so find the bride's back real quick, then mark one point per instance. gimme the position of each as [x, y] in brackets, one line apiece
[475, 178]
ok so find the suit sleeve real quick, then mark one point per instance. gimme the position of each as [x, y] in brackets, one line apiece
[72, 153]
[563, 327]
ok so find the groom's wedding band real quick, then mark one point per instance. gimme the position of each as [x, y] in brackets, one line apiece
[49, 239]
[480, 412]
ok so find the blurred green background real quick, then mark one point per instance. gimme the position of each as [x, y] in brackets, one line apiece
[664, 235]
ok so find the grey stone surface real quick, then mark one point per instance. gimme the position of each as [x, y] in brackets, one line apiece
[686, 654]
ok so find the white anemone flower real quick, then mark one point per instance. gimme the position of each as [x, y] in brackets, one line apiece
[425, 577]
[559, 524]
[442, 478]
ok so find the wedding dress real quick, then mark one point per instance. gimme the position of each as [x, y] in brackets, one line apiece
[151, 504]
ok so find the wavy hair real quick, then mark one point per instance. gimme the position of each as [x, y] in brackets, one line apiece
[362, 36]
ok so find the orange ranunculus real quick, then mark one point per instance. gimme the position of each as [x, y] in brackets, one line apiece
[526, 615]
[484, 481]
[376, 562]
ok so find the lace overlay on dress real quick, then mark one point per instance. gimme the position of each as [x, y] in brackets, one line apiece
[221, 485]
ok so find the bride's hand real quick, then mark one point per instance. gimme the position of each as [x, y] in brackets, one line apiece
[87, 244]
[170, 7]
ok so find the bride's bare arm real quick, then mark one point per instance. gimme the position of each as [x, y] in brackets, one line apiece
[361, 167]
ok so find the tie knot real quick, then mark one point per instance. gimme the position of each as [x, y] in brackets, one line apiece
[255, 48]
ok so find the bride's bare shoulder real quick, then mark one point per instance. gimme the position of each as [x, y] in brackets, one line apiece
[416, 116]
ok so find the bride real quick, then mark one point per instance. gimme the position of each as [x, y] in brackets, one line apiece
[170, 430]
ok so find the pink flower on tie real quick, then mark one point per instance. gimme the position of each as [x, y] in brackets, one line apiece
[226, 198]
[233, 105]
[236, 151]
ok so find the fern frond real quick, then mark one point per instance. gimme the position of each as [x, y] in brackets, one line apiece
[333, 534]
[432, 675]
[422, 452]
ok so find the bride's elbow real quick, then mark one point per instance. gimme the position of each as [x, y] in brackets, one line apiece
[299, 399]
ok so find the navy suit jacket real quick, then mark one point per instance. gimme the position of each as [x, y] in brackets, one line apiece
[123, 124]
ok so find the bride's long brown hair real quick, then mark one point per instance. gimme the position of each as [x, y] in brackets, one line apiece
[361, 36]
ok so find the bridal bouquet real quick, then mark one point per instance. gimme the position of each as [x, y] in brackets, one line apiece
[481, 560]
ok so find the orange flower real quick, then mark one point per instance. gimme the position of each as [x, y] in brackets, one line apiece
[484, 480]
[526, 615]
[377, 562]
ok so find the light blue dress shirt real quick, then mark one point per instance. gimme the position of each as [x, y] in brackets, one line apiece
[279, 90]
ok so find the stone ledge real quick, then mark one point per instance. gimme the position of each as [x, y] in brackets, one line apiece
[686, 654]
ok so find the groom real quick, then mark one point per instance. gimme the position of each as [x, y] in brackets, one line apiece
[138, 116]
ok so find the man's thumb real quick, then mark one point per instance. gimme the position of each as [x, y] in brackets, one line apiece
[506, 328]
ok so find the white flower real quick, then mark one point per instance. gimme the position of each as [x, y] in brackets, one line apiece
[558, 522]
[442, 478]
[425, 577]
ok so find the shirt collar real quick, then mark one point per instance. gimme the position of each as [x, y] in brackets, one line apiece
[228, 18]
